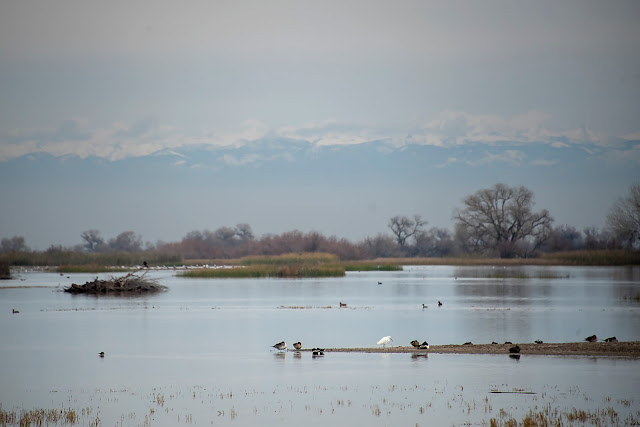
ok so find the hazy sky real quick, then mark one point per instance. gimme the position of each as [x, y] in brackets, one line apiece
[544, 94]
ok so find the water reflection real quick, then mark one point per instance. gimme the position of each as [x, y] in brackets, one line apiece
[174, 344]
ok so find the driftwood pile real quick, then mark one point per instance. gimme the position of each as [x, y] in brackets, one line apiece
[131, 284]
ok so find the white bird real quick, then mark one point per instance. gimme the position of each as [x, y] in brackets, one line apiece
[384, 340]
[280, 346]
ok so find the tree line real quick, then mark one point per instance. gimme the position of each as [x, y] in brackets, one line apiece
[499, 221]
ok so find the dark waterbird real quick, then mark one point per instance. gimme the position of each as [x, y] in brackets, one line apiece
[280, 346]
[101, 354]
[424, 345]
[415, 343]
[514, 349]
[538, 341]
[592, 338]
[611, 339]
[439, 304]
[317, 351]
[343, 304]
[14, 311]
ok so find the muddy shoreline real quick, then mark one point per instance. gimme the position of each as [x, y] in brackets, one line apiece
[600, 349]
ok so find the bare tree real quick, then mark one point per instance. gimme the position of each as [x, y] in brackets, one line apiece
[624, 218]
[382, 246]
[403, 227]
[93, 241]
[13, 244]
[244, 232]
[127, 241]
[436, 242]
[564, 238]
[500, 219]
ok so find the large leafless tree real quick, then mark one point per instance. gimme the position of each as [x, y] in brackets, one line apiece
[501, 220]
[404, 227]
[93, 240]
[624, 217]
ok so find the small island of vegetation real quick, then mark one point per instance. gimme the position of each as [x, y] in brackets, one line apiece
[294, 265]
[131, 284]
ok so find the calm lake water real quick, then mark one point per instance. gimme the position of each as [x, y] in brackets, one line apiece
[201, 352]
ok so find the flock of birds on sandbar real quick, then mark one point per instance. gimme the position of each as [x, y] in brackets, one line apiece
[514, 352]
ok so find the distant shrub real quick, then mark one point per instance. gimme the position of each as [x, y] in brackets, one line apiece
[5, 271]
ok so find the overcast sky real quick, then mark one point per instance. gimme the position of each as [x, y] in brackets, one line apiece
[495, 84]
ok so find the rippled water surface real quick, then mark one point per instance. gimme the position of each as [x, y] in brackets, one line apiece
[201, 352]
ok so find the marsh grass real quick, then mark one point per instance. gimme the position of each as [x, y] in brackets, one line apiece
[39, 417]
[369, 266]
[595, 257]
[551, 416]
[294, 265]
[258, 271]
[291, 258]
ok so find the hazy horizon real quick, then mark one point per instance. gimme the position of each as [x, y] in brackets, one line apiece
[165, 117]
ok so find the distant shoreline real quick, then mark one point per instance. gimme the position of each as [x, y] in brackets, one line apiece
[599, 349]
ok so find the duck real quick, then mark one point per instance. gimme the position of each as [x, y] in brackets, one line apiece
[101, 354]
[415, 343]
[425, 306]
[424, 345]
[538, 341]
[611, 339]
[592, 338]
[280, 346]
[515, 349]
[317, 351]
[343, 304]
[439, 304]
[14, 311]
[297, 345]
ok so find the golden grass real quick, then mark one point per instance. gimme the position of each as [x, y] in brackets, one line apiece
[258, 271]
[291, 258]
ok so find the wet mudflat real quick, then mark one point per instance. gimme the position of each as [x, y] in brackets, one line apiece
[614, 349]
[201, 352]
